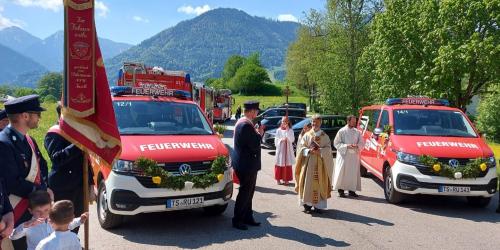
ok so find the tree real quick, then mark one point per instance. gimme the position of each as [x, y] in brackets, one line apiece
[22, 91]
[442, 49]
[232, 65]
[50, 84]
[249, 79]
[488, 119]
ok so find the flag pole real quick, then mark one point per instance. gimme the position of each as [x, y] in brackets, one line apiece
[86, 199]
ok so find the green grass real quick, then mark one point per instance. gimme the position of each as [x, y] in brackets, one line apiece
[266, 101]
[49, 118]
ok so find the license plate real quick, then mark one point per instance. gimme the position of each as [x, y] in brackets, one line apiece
[453, 189]
[185, 202]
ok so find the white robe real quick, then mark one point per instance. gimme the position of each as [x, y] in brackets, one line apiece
[346, 174]
[284, 149]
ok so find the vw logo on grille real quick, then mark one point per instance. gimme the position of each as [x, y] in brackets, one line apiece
[454, 163]
[185, 169]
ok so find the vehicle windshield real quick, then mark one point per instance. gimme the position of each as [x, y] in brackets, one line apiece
[424, 122]
[160, 118]
[301, 124]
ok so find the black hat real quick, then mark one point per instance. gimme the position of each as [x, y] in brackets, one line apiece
[3, 114]
[249, 105]
[29, 103]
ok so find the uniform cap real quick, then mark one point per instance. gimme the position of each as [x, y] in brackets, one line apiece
[249, 105]
[29, 103]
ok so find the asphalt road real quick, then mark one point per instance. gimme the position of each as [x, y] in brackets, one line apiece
[368, 222]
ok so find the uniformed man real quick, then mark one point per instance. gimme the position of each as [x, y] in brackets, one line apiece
[4, 121]
[247, 163]
[66, 175]
[22, 165]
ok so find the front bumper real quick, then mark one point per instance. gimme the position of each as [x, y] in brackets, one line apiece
[127, 196]
[410, 181]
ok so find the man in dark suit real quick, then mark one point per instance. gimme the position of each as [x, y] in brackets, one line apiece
[247, 163]
[4, 121]
[66, 175]
[22, 165]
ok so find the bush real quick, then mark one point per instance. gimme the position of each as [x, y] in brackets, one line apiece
[488, 118]
[50, 99]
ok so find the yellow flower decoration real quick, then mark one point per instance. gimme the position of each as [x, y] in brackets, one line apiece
[156, 180]
[483, 166]
[220, 177]
[436, 167]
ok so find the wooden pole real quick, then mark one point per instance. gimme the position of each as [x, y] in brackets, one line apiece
[86, 198]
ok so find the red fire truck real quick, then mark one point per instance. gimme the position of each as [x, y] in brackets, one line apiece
[138, 75]
[157, 120]
[223, 103]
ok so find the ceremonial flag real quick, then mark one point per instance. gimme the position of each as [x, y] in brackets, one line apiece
[88, 118]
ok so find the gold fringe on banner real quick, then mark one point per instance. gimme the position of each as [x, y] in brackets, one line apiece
[78, 6]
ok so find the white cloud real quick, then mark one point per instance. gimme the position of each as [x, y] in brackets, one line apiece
[7, 22]
[287, 18]
[57, 5]
[140, 19]
[102, 8]
[190, 10]
[54, 5]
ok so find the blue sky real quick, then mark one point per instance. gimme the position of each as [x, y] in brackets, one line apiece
[133, 21]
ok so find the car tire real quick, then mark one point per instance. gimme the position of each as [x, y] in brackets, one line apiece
[107, 220]
[215, 210]
[391, 194]
[363, 171]
[478, 201]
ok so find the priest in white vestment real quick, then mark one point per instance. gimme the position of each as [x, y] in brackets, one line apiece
[349, 143]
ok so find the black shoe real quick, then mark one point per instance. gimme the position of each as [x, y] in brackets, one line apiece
[353, 194]
[307, 209]
[240, 226]
[341, 194]
[252, 223]
[498, 210]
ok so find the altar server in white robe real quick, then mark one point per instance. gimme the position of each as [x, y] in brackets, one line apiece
[285, 158]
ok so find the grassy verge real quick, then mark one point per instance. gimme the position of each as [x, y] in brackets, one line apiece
[266, 101]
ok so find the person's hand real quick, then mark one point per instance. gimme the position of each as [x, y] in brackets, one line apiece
[51, 193]
[84, 217]
[8, 225]
[33, 222]
[92, 194]
[260, 130]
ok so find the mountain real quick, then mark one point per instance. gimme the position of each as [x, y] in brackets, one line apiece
[16, 68]
[17, 39]
[49, 52]
[202, 45]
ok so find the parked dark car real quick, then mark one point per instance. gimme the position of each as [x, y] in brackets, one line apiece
[296, 105]
[275, 121]
[280, 112]
[331, 124]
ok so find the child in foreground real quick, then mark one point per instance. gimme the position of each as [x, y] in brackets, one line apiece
[38, 228]
[60, 217]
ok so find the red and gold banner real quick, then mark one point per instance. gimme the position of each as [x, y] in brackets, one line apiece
[79, 33]
[88, 118]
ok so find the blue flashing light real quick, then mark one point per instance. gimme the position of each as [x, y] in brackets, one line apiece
[188, 78]
[120, 90]
[182, 94]
[417, 101]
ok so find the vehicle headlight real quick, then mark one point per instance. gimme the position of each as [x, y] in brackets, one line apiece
[125, 166]
[492, 162]
[408, 158]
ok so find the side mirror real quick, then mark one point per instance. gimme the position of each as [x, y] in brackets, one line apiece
[378, 131]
